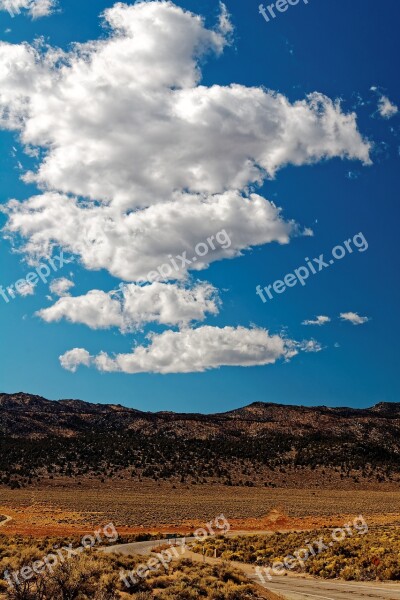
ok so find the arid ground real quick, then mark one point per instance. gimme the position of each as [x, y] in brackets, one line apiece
[148, 507]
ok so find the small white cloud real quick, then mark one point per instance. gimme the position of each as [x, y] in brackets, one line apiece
[41, 8]
[293, 347]
[386, 108]
[353, 175]
[310, 346]
[319, 320]
[354, 318]
[60, 286]
[225, 23]
[72, 359]
[25, 289]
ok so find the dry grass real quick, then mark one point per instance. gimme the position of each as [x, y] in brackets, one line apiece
[365, 555]
[161, 508]
[98, 576]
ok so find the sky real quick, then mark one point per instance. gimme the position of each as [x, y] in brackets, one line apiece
[138, 137]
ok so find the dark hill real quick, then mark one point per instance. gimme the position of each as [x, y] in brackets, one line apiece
[260, 444]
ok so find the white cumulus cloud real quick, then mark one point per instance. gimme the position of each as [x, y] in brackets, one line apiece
[126, 124]
[135, 305]
[194, 350]
[132, 245]
[126, 119]
[354, 318]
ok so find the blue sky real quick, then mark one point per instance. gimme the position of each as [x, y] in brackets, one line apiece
[341, 50]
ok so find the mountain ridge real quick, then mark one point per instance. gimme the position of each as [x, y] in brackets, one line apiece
[258, 444]
[28, 399]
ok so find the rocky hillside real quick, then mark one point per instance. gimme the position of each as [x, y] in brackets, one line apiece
[260, 444]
